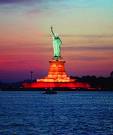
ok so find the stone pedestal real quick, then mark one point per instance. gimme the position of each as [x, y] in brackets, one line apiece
[56, 72]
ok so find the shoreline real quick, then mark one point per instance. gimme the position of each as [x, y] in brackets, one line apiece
[54, 89]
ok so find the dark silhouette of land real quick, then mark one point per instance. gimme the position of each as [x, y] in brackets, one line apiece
[100, 83]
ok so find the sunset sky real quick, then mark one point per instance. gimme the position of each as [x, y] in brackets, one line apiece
[85, 27]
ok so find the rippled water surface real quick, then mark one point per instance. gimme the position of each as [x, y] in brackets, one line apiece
[64, 113]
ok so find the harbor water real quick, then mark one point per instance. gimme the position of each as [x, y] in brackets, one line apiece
[64, 113]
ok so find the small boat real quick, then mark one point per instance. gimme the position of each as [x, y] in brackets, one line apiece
[50, 91]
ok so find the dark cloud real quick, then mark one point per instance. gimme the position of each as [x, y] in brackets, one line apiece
[89, 58]
[92, 48]
[29, 48]
[15, 1]
[88, 36]
[92, 58]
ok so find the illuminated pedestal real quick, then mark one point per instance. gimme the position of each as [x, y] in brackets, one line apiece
[56, 78]
[56, 73]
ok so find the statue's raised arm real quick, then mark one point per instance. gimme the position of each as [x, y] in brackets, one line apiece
[52, 31]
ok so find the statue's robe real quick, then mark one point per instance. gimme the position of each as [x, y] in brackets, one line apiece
[57, 46]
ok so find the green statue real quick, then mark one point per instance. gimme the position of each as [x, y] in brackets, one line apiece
[56, 45]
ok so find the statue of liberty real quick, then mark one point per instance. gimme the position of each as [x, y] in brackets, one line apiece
[56, 45]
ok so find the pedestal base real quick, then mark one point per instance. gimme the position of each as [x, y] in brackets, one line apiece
[56, 85]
